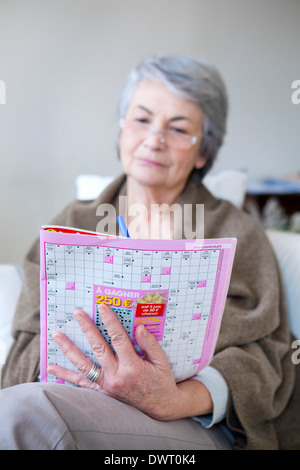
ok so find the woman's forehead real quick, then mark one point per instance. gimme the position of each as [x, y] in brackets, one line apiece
[155, 97]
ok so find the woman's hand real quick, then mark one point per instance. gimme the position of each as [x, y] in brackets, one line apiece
[147, 384]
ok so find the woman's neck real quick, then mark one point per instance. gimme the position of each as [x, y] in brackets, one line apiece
[147, 195]
[150, 212]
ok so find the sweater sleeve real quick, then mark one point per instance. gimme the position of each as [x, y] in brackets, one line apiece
[217, 387]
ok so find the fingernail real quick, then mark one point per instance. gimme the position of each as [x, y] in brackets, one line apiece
[77, 313]
[101, 308]
[144, 331]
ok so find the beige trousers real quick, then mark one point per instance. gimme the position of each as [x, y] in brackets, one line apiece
[54, 416]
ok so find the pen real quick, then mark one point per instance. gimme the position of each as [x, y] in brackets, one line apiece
[122, 226]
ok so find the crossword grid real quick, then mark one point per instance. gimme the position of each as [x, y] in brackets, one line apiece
[188, 276]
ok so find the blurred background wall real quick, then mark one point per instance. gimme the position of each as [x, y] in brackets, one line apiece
[64, 63]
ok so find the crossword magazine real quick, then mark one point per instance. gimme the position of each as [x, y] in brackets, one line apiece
[176, 288]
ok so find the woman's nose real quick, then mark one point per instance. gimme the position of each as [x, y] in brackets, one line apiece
[155, 138]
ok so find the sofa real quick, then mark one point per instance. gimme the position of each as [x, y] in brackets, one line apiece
[229, 185]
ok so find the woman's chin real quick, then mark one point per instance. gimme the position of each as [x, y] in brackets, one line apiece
[148, 177]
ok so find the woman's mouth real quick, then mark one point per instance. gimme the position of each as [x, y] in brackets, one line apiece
[151, 162]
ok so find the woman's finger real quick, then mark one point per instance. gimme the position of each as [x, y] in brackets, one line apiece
[151, 348]
[72, 377]
[82, 363]
[100, 347]
[72, 352]
[119, 338]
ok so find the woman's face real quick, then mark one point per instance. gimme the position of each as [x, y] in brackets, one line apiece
[147, 158]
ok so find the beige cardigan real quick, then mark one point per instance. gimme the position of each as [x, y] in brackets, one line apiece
[253, 352]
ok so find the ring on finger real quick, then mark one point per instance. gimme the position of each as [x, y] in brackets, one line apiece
[93, 373]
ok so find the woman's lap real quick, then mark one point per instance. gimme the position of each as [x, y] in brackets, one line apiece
[55, 416]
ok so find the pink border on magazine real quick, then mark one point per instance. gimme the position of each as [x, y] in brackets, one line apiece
[217, 308]
[228, 246]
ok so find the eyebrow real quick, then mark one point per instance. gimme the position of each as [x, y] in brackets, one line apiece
[175, 118]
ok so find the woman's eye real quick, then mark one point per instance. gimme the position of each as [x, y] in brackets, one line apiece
[142, 120]
[177, 130]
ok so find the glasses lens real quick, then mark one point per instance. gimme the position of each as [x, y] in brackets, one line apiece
[172, 138]
[178, 140]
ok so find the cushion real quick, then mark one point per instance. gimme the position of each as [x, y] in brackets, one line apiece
[229, 185]
[88, 187]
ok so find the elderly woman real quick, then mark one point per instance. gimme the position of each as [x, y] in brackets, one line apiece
[172, 123]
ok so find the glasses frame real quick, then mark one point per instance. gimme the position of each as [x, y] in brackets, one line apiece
[160, 133]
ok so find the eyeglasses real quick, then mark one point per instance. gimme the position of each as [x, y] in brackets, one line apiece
[173, 137]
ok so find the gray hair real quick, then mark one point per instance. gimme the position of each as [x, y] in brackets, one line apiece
[196, 80]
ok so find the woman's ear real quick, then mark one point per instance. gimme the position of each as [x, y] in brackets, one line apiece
[200, 162]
